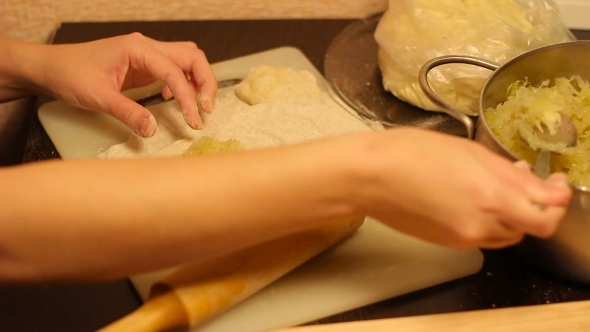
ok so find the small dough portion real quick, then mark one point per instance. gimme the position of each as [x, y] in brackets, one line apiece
[271, 84]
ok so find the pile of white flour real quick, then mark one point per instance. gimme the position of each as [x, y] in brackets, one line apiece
[267, 124]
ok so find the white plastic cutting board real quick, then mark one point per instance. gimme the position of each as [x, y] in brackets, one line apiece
[81, 134]
[375, 264]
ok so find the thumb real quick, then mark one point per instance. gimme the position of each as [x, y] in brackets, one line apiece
[135, 116]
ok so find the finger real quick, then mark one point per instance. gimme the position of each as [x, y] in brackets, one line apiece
[166, 93]
[499, 243]
[534, 207]
[534, 219]
[555, 190]
[194, 61]
[135, 116]
[549, 219]
[500, 239]
[494, 233]
[481, 232]
[207, 94]
[524, 193]
[164, 69]
[523, 165]
[558, 189]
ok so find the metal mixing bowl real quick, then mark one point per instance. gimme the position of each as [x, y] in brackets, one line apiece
[567, 253]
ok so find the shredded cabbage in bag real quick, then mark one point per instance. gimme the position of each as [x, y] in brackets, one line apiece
[412, 32]
[540, 105]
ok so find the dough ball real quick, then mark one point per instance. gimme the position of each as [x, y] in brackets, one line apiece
[273, 84]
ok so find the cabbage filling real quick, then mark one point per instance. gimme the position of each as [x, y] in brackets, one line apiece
[539, 107]
[210, 145]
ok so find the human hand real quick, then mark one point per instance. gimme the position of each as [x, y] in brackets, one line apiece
[455, 192]
[92, 75]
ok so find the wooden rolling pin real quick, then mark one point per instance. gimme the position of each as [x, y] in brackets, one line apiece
[570, 317]
[194, 293]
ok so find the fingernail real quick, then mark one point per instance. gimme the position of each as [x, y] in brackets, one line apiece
[521, 164]
[205, 103]
[558, 181]
[194, 122]
[147, 127]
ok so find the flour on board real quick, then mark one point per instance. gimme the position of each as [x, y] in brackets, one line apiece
[291, 120]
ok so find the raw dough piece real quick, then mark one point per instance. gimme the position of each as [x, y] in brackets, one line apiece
[272, 84]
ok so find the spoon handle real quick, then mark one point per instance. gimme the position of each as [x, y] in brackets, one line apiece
[543, 164]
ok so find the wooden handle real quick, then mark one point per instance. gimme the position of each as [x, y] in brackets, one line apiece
[571, 317]
[194, 293]
[158, 314]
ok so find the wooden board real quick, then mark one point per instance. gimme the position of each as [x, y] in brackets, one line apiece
[571, 317]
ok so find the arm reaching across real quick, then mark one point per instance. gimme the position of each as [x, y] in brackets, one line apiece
[121, 217]
[91, 75]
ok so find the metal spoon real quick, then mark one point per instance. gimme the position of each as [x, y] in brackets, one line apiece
[542, 140]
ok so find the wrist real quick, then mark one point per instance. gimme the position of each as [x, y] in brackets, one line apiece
[319, 180]
[19, 64]
[374, 170]
[350, 173]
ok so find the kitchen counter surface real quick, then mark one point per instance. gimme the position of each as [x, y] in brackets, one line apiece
[506, 280]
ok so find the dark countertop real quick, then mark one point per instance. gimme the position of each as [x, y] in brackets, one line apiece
[505, 280]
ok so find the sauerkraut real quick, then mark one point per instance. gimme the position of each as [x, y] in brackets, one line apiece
[538, 106]
[210, 145]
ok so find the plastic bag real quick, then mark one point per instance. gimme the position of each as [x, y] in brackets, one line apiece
[412, 32]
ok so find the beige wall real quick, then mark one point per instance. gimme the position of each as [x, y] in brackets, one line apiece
[35, 20]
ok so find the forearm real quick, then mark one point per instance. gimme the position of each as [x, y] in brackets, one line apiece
[19, 61]
[104, 219]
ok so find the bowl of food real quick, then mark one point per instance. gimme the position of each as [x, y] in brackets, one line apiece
[546, 79]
